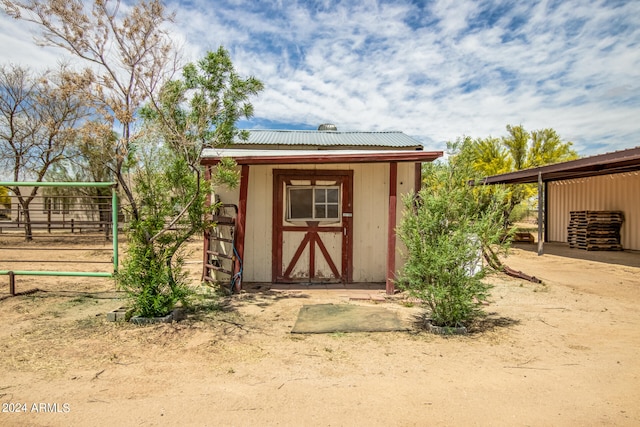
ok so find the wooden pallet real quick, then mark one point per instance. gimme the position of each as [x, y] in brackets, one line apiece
[595, 230]
[616, 247]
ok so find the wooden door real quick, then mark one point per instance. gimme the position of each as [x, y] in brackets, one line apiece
[312, 226]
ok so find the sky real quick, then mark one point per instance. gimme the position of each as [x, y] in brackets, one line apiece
[435, 70]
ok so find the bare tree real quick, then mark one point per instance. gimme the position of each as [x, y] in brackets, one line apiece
[90, 159]
[128, 50]
[40, 117]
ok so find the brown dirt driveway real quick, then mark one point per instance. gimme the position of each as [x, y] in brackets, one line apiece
[561, 353]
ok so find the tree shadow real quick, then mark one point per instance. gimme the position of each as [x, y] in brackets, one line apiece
[221, 301]
[490, 323]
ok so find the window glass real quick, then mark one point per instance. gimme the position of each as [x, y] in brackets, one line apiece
[313, 202]
[332, 211]
[332, 195]
[300, 203]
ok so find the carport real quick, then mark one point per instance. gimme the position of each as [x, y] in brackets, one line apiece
[609, 181]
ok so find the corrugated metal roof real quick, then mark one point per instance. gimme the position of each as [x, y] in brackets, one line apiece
[608, 163]
[330, 138]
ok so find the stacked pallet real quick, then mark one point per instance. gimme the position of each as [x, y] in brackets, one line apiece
[595, 230]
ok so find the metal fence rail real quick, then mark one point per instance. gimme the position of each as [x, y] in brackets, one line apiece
[50, 208]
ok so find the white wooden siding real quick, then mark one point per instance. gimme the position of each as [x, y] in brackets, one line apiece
[406, 185]
[370, 218]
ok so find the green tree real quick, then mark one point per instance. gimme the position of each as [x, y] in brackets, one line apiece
[446, 231]
[199, 110]
[516, 151]
[131, 60]
[5, 200]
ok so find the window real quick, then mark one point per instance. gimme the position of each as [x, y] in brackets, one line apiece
[313, 203]
[56, 204]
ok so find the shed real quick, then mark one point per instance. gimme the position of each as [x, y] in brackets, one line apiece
[313, 206]
[609, 182]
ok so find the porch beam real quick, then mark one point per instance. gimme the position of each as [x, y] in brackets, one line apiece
[207, 232]
[300, 157]
[241, 221]
[391, 231]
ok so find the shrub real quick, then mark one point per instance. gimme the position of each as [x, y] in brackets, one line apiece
[152, 274]
[446, 230]
[153, 286]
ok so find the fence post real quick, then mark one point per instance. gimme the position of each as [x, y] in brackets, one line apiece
[12, 284]
[114, 224]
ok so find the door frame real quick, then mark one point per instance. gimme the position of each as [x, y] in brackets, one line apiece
[344, 178]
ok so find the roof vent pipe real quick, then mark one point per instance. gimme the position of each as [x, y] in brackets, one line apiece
[327, 127]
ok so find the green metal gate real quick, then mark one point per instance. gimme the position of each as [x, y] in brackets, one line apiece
[114, 233]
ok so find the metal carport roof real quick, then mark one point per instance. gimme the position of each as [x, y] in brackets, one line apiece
[602, 164]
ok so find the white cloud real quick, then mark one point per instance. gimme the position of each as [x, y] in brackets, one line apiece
[19, 46]
[435, 70]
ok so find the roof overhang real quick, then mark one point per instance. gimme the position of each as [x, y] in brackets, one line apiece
[602, 164]
[211, 156]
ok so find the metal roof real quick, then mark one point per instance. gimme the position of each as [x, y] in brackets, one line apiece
[253, 157]
[601, 164]
[392, 139]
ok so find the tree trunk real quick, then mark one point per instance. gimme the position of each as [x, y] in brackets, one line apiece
[28, 233]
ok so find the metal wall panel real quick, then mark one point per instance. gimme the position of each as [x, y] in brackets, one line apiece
[617, 192]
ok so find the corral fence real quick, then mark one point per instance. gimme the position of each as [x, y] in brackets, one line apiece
[60, 212]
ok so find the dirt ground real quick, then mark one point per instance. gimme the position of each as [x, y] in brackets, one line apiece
[561, 353]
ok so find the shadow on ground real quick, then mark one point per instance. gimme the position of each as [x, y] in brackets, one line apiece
[490, 323]
[627, 257]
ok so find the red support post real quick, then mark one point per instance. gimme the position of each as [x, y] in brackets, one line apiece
[276, 218]
[241, 221]
[207, 232]
[391, 242]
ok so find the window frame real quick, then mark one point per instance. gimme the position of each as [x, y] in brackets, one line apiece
[314, 203]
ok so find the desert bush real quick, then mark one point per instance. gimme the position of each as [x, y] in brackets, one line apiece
[446, 230]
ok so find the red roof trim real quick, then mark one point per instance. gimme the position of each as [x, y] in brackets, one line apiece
[408, 156]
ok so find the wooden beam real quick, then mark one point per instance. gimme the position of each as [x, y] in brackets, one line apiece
[347, 233]
[276, 226]
[324, 157]
[241, 221]
[296, 256]
[391, 231]
[207, 232]
[327, 256]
